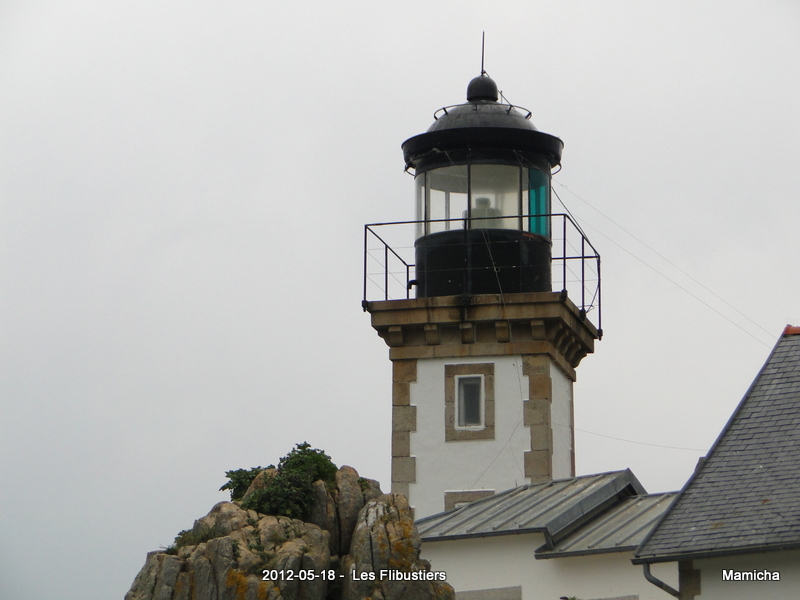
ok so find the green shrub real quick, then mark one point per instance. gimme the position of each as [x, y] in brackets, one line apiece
[197, 535]
[304, 458]
[236, 552]
[290, 491]
[287, 493]
[240, 480]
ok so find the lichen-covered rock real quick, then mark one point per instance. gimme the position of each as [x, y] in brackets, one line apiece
[349, 501]
[160, 572]
[386, 540]
[371, 489]
[323, 513]
[336, 511]
[224, 518]
[231, 564]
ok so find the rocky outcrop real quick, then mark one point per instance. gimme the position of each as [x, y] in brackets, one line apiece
[349, 501]
[324, 514]
[238, 554]
[384, 562]
[231, 565]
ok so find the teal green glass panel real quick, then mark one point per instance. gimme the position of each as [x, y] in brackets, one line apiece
[539, 202]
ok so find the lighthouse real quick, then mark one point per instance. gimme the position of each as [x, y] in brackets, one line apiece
[495, 311]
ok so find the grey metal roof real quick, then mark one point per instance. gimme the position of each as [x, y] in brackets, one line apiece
[620, 529]
[554, 508]
[745, 497]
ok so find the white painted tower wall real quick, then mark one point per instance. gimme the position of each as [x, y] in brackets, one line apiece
[494, 464]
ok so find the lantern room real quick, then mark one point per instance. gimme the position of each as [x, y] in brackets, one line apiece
[482, 175]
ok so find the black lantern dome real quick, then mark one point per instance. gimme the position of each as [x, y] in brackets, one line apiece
[483, 197]
[482, 87]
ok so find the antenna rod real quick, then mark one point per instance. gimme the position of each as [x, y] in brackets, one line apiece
[483, 48]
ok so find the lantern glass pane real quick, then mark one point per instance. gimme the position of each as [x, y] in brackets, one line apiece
[495, 194]
[419, 188]
[447, 198]
[539, 202]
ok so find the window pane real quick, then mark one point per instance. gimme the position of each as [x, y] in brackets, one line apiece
[419, 184]
[539, 202]
[495, 193]
[469, 402]
[447, 197]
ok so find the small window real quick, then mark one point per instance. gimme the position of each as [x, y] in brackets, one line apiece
[470, 410]
[469, 402]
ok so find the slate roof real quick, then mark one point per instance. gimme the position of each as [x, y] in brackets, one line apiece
[745, 497]
[554, 508]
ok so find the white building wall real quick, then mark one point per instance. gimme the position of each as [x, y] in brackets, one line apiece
[561, 415]
[507, 561]
[466, 465]
[712, 587]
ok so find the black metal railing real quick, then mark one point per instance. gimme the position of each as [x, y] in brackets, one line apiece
[389, 272]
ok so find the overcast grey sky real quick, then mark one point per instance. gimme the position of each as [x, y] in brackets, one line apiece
[183, 185]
